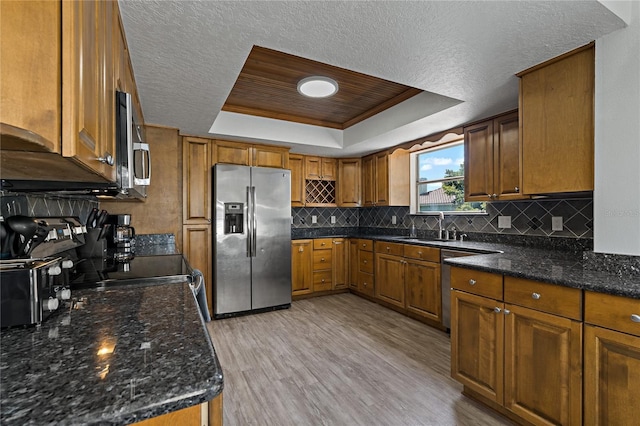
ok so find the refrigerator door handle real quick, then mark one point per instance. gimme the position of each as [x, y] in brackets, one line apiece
[255, 222]
[249, 223]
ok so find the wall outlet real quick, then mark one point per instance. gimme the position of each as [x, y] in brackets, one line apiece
[504, 222]
[394, 219]
[556, 223]
[333, 219]
[314, 219]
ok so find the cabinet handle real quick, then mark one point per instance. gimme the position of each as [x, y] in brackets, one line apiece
[517, 189]
[107, 159]
[323, 280]
[364, 244]
[300, 250]
[419, 253]
[506, 311]
[388, 249]
[535, 296]
[322, 259]
[495, 196]
[497, 310]
[635, 318]
[322, 244]
[364, 261]
[364, 284]
[472, 282]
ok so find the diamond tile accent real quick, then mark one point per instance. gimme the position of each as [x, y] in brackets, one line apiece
[47, 205]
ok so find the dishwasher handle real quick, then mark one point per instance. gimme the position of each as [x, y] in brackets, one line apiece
[198, 288]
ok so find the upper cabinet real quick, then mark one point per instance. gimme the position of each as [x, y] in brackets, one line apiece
[61, 65]
[196, 181]
[320, 168]
[492, 160]
[296, 165]
[385, 179]
[557, 124]
[229, 152]
[349, 178]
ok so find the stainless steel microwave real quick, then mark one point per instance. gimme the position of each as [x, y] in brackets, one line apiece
[133, 158]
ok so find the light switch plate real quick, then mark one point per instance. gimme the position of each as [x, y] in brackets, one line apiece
[333, 219]
[504, 222]
[556, 223]
[314, 219]
[394, 219]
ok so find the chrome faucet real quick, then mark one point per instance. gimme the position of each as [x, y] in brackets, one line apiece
[440, 229]
[462, 237]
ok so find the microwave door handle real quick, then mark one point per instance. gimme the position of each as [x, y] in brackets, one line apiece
[145, 180]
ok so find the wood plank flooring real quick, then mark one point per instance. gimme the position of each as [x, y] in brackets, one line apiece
[339, 360]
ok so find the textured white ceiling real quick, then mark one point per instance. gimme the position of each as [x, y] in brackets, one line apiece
[186, 55]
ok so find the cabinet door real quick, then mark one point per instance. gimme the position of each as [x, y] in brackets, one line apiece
[557, 120]
[423, 289]
[339, 264]
[349, 177]
[231, 153]
[507, 182]
[543, 367]
[612, 377]
[368, 181]
[354, 263]
[390, 279]
[196, 181]
[382, 179]
[479, 168]
[329, 168]
[477, 344]
[296, 164]
[312, 168]
[197, 248]
[270, 156]
[85, 80]
[301, 267]
[30, 71]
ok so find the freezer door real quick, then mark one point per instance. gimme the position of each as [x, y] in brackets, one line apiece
[272, 262]
[231, 262]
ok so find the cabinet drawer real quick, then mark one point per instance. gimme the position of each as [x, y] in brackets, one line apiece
[389, 248]
[365, 283]
[366, 245]
[430, 254]
[550, 298]
[322, 243]
[366, 261]
[322, 281]
[477, 282]
[322, 259]
[614, 312]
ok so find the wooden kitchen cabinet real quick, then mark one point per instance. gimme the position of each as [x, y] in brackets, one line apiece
[366, 283]
[322, 264]
[422, 289]
[296, 165]
[557, 124]
[196, 181]
[340, 263]
[385, 179]
[197, 249]
[611, 360]
[244, 154]
[348, 193]
[492, 160]
[390, 272]
[270, 156]
[354, 264]
[320, 168]
[521, 352]
[301, 267]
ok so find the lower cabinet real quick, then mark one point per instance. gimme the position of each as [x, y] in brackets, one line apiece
[390, 271]
[353, 267]
[521, 352]
[207, 413]
[611, 360]
[318, 265]
[366, 284]
[197, 248]
[301, 267]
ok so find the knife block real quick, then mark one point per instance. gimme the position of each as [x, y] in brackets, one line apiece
[93, 247]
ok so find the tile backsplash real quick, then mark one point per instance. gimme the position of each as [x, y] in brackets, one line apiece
[46, 205]
[530, 218]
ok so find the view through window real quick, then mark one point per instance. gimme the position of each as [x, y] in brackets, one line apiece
[440, 183]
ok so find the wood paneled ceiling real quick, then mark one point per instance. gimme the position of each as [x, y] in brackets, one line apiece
[267, 87]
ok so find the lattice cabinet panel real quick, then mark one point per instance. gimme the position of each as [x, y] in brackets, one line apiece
[320, 192]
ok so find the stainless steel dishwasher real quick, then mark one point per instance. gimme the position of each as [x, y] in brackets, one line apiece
[445, 281]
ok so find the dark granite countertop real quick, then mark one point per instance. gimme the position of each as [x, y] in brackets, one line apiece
[126, 354]
[566, 268]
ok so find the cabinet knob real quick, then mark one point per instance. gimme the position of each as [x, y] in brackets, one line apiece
[107, 159]
[517, 189]
[497, 310]
[300, 249]
[364, 244]
[535, 296]
[364, 284]
[388, 248]
[506, 312]
[322, 244]
[472, 282]
[364, 261]
[322, 259]
[494, 196]
[323, 280]
[635, 318]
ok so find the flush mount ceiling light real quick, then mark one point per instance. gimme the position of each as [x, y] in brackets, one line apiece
[317, 87]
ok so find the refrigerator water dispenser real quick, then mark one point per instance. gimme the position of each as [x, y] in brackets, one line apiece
[233, 218]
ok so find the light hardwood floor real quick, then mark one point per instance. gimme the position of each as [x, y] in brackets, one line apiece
[339, 360]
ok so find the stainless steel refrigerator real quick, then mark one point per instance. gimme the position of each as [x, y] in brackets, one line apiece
[252, 239]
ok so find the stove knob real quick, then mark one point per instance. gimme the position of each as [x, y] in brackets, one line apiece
[50, 304]
[64, 294]
[67, 264]
[54, 270]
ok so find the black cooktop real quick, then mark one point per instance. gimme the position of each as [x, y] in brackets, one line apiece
[96, 272]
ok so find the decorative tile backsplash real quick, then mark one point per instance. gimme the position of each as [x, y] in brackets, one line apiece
[531, 218]
[46, 205]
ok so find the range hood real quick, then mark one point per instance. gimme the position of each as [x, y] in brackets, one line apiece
[101, 190]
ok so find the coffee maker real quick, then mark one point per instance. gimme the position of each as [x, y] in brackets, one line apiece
[119, 232]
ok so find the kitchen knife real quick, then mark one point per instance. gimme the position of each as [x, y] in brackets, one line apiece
[92, 218]
[101, 218]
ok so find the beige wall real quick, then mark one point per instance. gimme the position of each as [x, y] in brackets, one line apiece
[161, 213]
